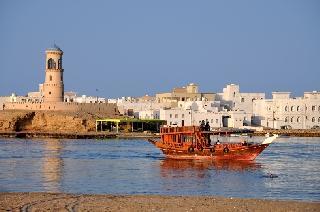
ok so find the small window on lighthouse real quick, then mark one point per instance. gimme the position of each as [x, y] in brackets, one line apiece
[50, 78]
[49, 92]
[59, 63]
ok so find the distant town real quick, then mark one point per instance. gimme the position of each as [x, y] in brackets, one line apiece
[182, 106]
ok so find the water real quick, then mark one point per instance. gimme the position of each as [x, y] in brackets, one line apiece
[137, 167]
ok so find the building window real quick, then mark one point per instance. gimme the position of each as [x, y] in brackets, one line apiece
[298, 108]
[170, 116]
[292, 108]
[319, 119]
[49, 92]
[234, 94]
[61, 77]
[313, 108]
[298, 119]
[211, 120]
[286, 119]
[50, 78]
[217, 121]
[242, 99]
[51, 64]
[313, 119]
[182, 115]
[60, 63]
[170, 122]
[291, 119]
[319, 108]
[286, 108]
[176, 115]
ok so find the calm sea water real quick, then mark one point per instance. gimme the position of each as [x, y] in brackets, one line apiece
[137, 167]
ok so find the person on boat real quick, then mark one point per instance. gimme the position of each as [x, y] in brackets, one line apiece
[244, 143]
[218, 142]
[202, 125]
[207, 127]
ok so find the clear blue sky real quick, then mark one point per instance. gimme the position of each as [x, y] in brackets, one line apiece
[132, 48]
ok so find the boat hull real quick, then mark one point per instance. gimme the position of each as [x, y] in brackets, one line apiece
[216, 152]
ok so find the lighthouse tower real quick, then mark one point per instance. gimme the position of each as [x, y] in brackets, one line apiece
[53, 87]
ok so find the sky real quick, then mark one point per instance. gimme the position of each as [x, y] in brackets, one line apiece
[132, 48]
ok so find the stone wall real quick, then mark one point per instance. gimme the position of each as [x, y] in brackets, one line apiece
[109, 109]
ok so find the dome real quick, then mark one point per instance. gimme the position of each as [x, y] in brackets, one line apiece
[54, 48]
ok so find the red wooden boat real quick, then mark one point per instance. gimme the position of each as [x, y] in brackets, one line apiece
[190, 142]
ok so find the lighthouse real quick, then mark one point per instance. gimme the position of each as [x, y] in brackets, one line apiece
[53, 87]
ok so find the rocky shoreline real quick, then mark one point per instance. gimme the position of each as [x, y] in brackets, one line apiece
[97, 202]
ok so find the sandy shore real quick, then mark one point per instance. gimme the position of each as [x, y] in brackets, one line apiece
[73, 202]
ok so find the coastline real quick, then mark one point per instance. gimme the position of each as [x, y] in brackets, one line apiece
[106, 202]
[76, 135]
[142, 135]
[82, 125]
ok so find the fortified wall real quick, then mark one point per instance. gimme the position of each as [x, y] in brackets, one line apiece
[109, 109]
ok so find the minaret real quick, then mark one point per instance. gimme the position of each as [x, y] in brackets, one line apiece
[53, 88]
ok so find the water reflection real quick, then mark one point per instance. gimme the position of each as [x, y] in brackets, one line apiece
[52, 165]
[209, 164]
[137, 167]
[202, 177]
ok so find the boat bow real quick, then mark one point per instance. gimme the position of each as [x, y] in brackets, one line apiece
[270, 139]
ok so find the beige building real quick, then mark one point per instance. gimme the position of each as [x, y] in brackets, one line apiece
[51, 93]
[188, 93]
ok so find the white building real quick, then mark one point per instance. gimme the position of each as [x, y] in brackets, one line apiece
[282, 111]
[149, 114]
[232, 99]
[201, 106]
[235, 119]
[180, 117]
[133, 106]
[193, 112]
[72, 97]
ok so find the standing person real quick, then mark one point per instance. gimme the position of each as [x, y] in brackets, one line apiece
[207, 127]
[202, 125]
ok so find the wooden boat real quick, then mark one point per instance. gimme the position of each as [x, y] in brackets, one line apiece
[190, 142]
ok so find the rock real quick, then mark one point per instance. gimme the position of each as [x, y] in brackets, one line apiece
[48, 121]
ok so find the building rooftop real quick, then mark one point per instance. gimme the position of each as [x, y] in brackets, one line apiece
[55, 47]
